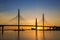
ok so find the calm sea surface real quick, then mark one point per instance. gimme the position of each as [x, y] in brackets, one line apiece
[30, 35]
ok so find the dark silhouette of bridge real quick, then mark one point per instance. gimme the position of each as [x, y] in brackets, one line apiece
[18, 17]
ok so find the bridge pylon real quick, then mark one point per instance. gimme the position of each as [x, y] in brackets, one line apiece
[18, 24]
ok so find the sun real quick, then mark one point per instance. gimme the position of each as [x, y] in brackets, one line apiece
[38, 27]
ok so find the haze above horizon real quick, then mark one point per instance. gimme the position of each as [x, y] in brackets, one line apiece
[30, 9]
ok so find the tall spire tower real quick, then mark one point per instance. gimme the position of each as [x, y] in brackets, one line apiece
[36, 29]
[18, 23]
[43, 20]
[18, 18]
[43, 26]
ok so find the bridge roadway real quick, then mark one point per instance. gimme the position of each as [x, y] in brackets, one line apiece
[26, 25]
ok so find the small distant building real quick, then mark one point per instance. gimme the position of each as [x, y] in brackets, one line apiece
[56, 28]
[33, 28]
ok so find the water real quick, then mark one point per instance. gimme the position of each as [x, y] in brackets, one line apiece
[30, 35]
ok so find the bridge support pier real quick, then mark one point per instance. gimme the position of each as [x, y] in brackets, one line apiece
[2, 30]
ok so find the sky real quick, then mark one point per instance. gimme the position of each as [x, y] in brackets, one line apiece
[30, 10]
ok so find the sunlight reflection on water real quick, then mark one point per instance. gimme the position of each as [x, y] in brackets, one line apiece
[30, 35]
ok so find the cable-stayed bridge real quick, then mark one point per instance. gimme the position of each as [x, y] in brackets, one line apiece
[18, 17]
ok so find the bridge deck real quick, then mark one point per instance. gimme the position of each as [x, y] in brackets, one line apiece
[27, 25]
